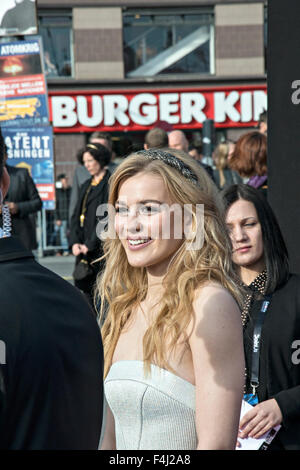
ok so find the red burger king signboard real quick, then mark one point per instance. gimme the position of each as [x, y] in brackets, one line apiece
[128, 110]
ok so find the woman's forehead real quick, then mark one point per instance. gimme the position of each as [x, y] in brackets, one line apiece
[143, 186]
[87, 155]
[239, 210]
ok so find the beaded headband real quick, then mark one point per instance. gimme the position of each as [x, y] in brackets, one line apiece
[171, 160]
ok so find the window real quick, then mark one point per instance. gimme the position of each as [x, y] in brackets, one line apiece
[56, 31]
[168, 42]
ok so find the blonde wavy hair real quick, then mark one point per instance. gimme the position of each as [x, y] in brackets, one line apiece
[122, 287]
[220, 157]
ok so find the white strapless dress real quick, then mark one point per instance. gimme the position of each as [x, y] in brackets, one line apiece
[154, 412]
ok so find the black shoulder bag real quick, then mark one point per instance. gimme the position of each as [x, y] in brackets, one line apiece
[82, 270]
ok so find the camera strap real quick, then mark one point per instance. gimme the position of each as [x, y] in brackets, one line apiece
[257, 343]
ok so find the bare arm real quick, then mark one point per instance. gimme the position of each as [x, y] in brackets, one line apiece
[216, 343]
[109, 437]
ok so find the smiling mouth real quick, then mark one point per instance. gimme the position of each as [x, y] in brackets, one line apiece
[141, 241]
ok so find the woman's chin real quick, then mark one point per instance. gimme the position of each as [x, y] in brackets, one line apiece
[136, 263]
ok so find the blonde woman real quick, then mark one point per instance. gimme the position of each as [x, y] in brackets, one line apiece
[174, 368]
[223, 175]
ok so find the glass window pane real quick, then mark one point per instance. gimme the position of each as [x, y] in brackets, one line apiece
[56, 32]
[195, 62]
[184, 30]
[148, 37]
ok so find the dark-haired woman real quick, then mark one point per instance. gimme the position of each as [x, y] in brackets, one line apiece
[84, 241]
[271, 317]
[249, 159]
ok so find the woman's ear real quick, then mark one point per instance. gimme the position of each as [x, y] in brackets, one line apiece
[4, 183]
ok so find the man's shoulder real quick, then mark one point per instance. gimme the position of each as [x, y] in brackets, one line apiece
[81, 174]
[15, 171]
[32, 294]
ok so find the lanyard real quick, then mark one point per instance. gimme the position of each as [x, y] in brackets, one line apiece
[84, 203]
[256, 343]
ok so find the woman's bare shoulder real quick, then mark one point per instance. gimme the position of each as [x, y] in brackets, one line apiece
[214, 302]
[212, 290]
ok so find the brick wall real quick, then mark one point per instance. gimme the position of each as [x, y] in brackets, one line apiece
[65, 148]
[98, 43]
[239, 39]
[98, 35]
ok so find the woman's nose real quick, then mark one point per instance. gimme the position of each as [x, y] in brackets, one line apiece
[133, 222]
[239, 234]
[134, 225]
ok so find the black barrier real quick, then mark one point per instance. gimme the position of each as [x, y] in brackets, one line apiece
[284, 120]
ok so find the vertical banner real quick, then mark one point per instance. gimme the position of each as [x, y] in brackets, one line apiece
[32, 148]
[23, 90]
[284, 120]
[24, 116]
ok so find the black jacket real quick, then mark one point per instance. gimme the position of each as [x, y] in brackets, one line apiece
[63, 196]
[81, 175]
[208, 169]
[52, 384]
[230, 176]
[87, 235]
[281, 373]
[23, 192]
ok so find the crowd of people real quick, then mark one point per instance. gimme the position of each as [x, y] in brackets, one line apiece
[96, 163]
[192, 291]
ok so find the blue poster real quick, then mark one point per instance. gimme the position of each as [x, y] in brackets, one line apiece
[32, 148]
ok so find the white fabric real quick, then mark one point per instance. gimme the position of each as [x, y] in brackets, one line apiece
[152, 412]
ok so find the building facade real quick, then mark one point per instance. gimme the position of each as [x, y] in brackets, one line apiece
[125, 66]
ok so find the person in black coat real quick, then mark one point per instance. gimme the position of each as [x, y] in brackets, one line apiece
[84, 240]
[51, 356]
[24, 202]
[81, 174]
[261, 259]
[63, 195]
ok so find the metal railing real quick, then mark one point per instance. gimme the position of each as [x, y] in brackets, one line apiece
[48, 234]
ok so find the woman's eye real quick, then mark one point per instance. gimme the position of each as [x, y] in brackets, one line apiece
[250, 224]
[149, 210]
[121, 210]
